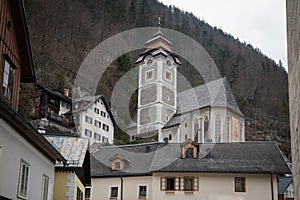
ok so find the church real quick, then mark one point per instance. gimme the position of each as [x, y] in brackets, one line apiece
[206, 113]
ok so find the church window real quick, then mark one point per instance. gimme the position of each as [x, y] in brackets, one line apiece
[241, 131]
[170, 136]
[206, 124]
[226, 138]
[149, 74]
[196, 131]
[168, 75]
[218, 128]
[185, 137]
[167, 117]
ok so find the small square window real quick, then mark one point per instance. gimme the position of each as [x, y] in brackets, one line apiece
[117, 165]
[96, 110]
[105, 127]
[189, 152]
[143, 191]
[88, 119]
[97, 137]
[88, 133]
[114, 192]
[240, 184]
[103, 114]
[97, 123]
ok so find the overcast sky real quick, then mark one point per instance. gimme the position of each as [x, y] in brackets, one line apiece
[262, 23]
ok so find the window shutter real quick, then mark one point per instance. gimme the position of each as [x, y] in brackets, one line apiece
[163, 183]
[181, 183]
[196, 183]
[177, 183]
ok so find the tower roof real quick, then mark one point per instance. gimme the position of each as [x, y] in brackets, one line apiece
[158, 40]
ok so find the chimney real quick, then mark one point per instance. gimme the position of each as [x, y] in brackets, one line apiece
[66, 92]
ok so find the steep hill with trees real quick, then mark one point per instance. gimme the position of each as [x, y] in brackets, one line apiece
[64, 32]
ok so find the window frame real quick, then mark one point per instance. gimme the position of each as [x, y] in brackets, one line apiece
[102, 113]
[174, 184]
[149, 74]
[168, 75]
[20, 193]
[111, 192]
[192, 183]
[191, 152]
[88, 131]
[11, 68]
[105, 127]
[96, 110]
[240, 184]
[79, 194]
[88, 119]
[46, 179]
[97, 123]
[97, 136]
[139, 191]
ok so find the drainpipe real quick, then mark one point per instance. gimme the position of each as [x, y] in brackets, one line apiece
[121, 178]
[272, 190]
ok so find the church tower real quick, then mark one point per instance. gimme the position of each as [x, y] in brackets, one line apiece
[157, 90]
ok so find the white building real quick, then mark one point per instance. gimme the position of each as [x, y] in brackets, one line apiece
[26, 158]
[188, 170]
[93, 119]
[207, 113]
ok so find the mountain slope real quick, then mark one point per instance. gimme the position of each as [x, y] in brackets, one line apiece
[64, 32]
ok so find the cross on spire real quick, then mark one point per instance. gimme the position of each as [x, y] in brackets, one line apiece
[159, 20]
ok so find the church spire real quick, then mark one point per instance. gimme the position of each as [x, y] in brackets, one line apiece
[158, 39]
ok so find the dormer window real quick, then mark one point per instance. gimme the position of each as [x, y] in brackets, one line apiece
[189, 149]
[117, 162]
[189, 152]
[117, 165]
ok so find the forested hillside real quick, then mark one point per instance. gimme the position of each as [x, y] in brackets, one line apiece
[64, 32]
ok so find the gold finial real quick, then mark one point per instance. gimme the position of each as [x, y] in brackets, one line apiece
[159, 21]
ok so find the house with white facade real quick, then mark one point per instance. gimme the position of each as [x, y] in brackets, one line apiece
[207, 113]
[93, 119]
[188, 170]
[26, 158]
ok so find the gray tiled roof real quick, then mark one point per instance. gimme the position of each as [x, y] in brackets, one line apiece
[214, 93]
[176, 120]
[284, 183]
[237, 157]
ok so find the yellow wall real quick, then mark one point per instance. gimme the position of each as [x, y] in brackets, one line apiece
[61, 188]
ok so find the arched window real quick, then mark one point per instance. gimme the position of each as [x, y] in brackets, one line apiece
[170, 137]
[241, 132]
[185, 137]
[227, 132]
[218, 128]
[196, 131]
[206, 124]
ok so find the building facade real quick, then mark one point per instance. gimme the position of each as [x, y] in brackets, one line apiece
[26, 158]
[187, 170]
[293, 44]
[93, 119]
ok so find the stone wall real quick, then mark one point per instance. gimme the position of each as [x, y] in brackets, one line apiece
[293, 35]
